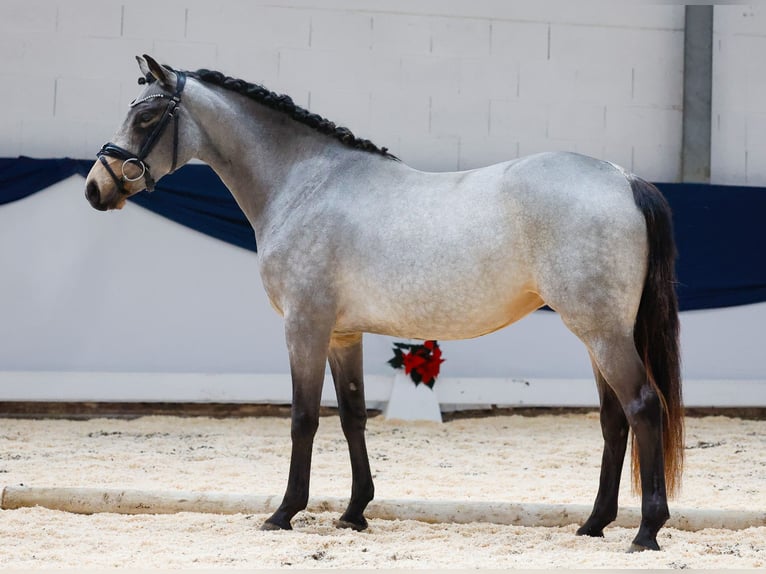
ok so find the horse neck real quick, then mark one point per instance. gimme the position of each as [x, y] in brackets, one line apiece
[266, 159]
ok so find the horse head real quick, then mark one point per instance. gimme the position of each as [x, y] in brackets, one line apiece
[148, 145]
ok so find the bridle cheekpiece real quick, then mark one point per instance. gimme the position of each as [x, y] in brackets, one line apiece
[111, 150]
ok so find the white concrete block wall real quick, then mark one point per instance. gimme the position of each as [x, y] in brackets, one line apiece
[444, 84]
[739, 92]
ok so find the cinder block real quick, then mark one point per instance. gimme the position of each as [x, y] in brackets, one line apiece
[576, 121]
[247, 24]
[87, 57]
[516, 120]
[729, 132]
[430, 74]
[591, 147]
[54, 138]
[19, 18]
[730, 102]
[148, 19]
[547, 81]
[750, 76]
[12, 49]
[184, 55]
[346, 108]
[740, 19]
[639, 15]
[86, 99]
[491, 77]
[658, 162]
[10, 136]
[755, 168]
[90, 18]
[431, 153]
[460, 37]
[339, 70]
[341, 30]
[755, 133]
[658, 86]
[659, 47]
[305, 69]
[533, 145]
[205, 21]
[301, 96]
[399, 114]
[401, 34]
[516, 41]
[619, 152]
[728, 164]
[26, 96]
[576, 44]
[729, 153]
[476, 152]
[459, 116]
[589, 14]
[647, 124]
[260, 67]
[98, 131]
[598, 85]
[381, 72]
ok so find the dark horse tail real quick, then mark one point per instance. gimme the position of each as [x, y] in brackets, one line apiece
[656, 330]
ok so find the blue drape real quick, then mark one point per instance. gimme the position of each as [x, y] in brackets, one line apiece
[719, 229]
[192, 196]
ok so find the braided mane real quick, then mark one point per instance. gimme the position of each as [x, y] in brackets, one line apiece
[285, 104]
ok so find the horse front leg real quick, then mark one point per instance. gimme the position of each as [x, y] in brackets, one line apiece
[307, 346]
[346, 366]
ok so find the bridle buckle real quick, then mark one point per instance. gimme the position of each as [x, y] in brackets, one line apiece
[137, 162]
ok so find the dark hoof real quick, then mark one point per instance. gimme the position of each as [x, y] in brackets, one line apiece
[586, 530]
[357, 525]
[274, 525]
[636, 547]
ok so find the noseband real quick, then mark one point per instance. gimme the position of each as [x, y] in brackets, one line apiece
[111, 150]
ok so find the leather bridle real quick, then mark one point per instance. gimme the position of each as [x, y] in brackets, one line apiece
[111, 150]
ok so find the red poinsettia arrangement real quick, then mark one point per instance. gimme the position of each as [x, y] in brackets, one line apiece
[420, 362]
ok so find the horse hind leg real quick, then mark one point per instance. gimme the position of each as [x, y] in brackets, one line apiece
[617, 359]
[345, 360]
[614, 428]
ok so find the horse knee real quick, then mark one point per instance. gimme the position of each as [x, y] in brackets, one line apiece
[304, 425]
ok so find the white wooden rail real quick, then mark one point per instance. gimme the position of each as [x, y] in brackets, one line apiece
[452, 393]
[124, 501]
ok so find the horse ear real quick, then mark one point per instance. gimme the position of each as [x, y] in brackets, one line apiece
[143, 66]
[165, 76]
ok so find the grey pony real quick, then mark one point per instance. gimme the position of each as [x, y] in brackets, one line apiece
[352, 241]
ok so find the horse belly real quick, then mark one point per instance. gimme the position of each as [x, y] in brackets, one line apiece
[440, 306]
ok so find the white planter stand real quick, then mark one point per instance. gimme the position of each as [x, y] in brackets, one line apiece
[412, 403]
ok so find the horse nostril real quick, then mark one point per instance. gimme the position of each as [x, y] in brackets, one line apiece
[92, 193]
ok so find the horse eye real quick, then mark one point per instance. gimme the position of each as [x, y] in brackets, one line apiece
[145, 118]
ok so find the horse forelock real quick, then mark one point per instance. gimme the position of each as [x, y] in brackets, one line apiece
[285, 104]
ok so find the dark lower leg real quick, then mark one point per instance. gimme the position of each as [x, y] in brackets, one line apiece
[307, 346]
[304, 427]
[346, 366]
[645, 416]
[622, 368]
[614, 427]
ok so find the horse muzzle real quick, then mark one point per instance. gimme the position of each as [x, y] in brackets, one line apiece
[101, 192]
[93, 195]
